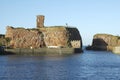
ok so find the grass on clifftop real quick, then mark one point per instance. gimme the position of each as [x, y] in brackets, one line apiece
[53, 28]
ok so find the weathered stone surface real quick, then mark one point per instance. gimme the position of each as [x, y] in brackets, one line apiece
[61, 36]
[43, 37]
[55, 36]
[23, 38]
[40, 21]
[105, 42]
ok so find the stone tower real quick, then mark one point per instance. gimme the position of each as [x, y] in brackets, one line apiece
[40, 21]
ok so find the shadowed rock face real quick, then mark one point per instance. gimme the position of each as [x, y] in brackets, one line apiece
[104, 42]
[2, 40]
[74, 37]
[43, 37]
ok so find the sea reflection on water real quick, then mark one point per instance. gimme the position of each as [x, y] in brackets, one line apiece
[89, 65]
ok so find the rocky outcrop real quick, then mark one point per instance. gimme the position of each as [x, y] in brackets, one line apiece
[104, 42]
[44, 37]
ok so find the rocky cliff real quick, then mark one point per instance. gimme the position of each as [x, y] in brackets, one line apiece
[105, 42]
[43, 37]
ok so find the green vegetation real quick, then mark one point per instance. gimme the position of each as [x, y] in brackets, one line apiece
[32, 29]
[69, 44]
[20, 28]
[2, 39]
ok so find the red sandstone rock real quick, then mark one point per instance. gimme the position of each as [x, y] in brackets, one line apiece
[44, 37]
[23, 38]
[105, 42]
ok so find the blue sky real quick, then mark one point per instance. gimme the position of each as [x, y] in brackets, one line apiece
[89, 16]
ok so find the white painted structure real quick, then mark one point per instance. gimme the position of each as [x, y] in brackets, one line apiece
[54, 46]
[116, 50]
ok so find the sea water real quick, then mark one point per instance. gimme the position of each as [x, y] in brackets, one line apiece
[90, 65]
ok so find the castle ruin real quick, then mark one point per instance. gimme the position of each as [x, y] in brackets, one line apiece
[40, 21]
[44, 36]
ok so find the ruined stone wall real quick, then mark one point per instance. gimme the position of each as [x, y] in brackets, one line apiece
[44, 37]
[55, 36]
[62, 36]
[23, 38]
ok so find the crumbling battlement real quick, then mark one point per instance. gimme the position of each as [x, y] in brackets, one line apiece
[40, 21]
[44, 36]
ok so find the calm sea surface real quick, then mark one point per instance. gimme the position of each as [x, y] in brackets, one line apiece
[90, 65]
